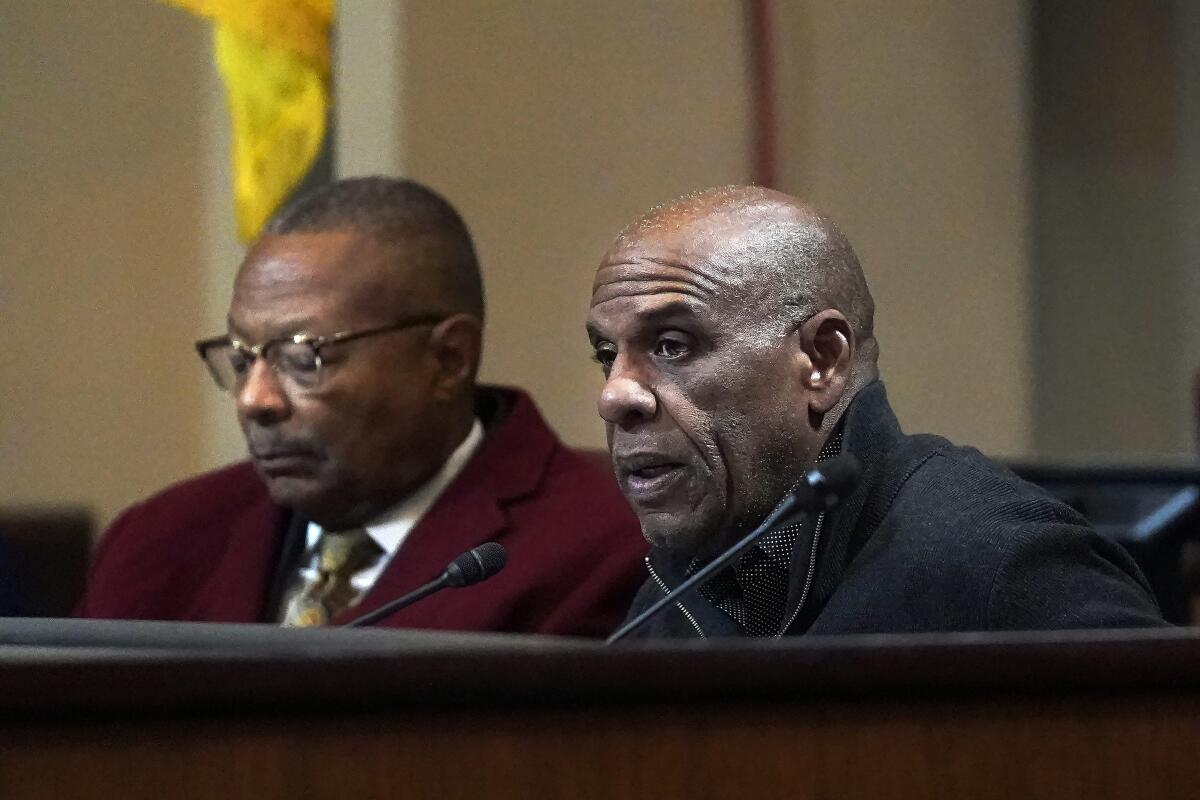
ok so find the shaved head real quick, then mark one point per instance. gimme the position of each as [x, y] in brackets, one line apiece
[787, 245]
[733, 326]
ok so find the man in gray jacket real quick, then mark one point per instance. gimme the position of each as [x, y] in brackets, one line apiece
[735, 331]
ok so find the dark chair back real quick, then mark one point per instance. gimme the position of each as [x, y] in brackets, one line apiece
[1153, 512]
[47, 553]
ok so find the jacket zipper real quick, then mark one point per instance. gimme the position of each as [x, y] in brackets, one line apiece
[812, 568]
[808, 579]
[678, 604]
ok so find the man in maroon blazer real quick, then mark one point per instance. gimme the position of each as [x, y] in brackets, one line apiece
[351, 353]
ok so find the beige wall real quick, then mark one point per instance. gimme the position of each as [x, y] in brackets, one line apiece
[550, 136]
[910, 129]
[1119, 300]
[102, 256]
[551, 125]
[1187, 211]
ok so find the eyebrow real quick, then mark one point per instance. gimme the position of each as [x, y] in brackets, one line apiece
[653, 286]
[660, 313]
[670, 308]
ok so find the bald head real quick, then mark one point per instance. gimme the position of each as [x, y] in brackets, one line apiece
[782, 243]
[734, 327]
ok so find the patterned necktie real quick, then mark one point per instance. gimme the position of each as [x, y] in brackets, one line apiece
[327, 589]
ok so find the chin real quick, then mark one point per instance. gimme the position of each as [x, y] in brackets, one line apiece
[303, 495]
[676, 535]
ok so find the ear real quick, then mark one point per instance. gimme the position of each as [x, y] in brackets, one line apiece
[827, 343]
[455, 344]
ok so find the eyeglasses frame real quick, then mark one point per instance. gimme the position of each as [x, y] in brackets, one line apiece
[315, 342]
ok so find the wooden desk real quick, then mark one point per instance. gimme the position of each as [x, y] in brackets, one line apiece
[179, 711]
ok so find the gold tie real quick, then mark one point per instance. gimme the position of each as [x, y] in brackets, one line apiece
[340, 556]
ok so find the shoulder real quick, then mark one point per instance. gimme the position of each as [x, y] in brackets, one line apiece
[586, 475]
[568, 526]
[972, 512]
[1030, 560]
[956, 485]
[157, 554]
[211, 494]
[237, 480]
[188, 517]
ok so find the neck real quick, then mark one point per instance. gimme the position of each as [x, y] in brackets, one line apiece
[364, 509]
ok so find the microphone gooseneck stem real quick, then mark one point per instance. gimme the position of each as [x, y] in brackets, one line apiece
[387, 609]
[707, 571]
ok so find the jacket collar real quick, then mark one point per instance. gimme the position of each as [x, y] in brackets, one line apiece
[264, 541]
[872, 434]
[694, 615]
[509, 465]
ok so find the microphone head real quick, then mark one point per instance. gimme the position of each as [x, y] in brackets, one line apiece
[477, 564]
[829, 481]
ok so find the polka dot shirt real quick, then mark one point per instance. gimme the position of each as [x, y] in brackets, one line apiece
[754, 591]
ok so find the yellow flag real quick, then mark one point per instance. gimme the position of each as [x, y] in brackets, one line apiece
[274, 58]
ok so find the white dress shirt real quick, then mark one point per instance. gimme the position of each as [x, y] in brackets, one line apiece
[391, 528]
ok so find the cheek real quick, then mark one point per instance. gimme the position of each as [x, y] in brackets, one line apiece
[388, 418]
[706, 432]
[750, 441]
[350, 426]
[735, 438]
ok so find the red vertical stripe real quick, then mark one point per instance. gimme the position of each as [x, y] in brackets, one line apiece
[760, 52]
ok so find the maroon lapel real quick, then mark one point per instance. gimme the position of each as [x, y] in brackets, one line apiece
[240, 581]
[509, 465]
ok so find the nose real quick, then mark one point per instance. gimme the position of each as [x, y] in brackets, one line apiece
[625, 400]
[261, 397]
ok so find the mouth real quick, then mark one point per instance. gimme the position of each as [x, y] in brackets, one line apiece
[283, 462]
[647, 478]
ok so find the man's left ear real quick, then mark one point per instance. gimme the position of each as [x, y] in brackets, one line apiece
[827, 343]
[455, 344]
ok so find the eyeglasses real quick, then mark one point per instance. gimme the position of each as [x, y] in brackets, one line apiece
[296, 359]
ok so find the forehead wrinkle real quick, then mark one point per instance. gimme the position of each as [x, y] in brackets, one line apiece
[671, 275]
[710, 282]
[677, 269]
[642, 287]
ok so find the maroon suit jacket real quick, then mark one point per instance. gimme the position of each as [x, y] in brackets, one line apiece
[208, 549]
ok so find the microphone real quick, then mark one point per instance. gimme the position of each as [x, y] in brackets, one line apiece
[475, 565]
[824, 486]
[821, 488]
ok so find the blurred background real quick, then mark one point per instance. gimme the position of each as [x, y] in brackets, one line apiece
[1021, 180]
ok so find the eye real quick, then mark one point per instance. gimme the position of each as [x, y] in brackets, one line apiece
[604, 354]
[239, 360]
[671, 347]
[297, 359]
